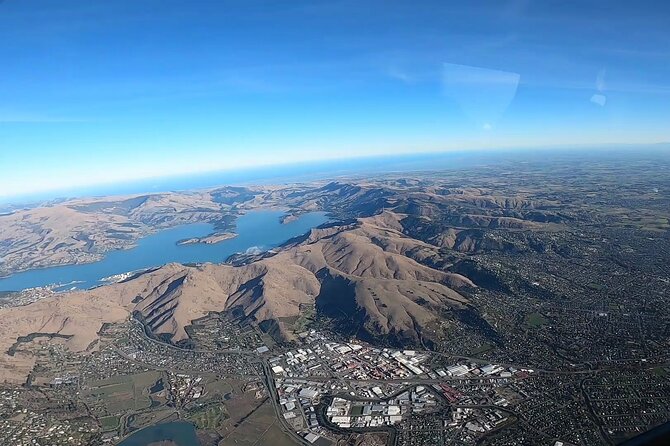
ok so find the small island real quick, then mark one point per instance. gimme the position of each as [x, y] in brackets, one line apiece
[209, 240]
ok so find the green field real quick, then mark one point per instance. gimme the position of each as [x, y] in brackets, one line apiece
[661, 371]
[536, 320]
[112, 390]
[121, 394]
[306, 318]
[109, 423]
[217, 388]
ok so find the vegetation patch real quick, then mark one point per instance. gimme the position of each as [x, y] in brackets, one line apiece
[536, 320]
[209, 417]
[109, 423]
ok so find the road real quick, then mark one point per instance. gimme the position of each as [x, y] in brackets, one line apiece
[270, 383]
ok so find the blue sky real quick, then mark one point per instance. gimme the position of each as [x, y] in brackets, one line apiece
[103, 91]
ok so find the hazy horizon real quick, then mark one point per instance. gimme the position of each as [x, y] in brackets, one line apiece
[330, 169]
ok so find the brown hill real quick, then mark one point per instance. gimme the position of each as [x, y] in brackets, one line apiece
[356, 273]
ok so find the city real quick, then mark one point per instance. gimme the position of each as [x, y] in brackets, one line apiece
[324, 390]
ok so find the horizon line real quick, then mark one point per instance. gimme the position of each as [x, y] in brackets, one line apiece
[10, 198]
